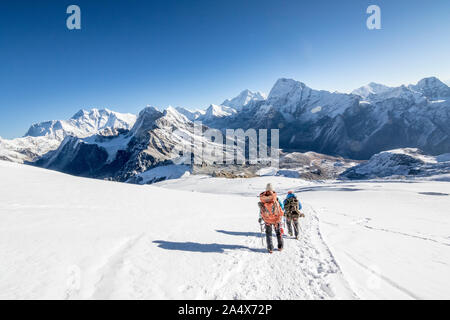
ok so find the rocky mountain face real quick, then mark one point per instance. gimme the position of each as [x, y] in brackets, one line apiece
[149, 153]
[156, 139]
[147, 144]
[432, 88]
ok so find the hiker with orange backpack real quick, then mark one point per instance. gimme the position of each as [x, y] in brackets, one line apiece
[271, 212]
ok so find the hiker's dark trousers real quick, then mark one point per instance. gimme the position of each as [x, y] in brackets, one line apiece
[277, 228]
[292, 221]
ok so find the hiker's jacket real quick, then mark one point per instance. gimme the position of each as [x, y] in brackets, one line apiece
[281, 203]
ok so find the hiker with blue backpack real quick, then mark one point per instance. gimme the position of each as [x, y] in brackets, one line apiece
[292, 207]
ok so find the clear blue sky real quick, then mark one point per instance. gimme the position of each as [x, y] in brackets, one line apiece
[131, 53]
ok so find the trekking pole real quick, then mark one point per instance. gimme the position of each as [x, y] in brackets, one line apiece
[300, 227]
[262, 234]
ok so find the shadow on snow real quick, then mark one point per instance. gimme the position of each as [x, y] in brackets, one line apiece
[202, 247]
[238, 233]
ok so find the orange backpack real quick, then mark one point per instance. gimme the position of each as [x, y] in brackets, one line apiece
[271, 211]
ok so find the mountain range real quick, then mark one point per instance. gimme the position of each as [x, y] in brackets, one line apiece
[371, 119]
[44, 137]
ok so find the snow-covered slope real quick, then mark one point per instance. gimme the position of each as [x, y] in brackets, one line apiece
[75, 238]
[390, 239]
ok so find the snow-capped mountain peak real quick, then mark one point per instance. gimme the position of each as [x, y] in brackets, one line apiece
[82, 124]
[191, 115]
[432, 88]
[216, 111]
[293, 98]
[145, 121]
[172, 114]
[81, 113]
[431, 82]
[243, 99]
[287, 88]
[44, 137]
[401, 92]
[371, 88]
